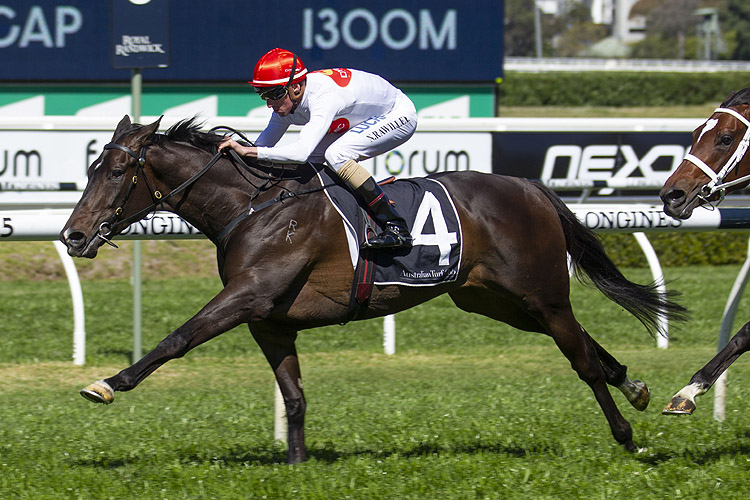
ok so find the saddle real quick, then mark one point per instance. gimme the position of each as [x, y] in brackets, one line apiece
[428, 209]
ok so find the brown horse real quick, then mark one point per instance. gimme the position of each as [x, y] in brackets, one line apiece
[514, 265]
[715, 165]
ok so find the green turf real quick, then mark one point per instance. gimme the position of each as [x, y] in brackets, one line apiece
[466, 408]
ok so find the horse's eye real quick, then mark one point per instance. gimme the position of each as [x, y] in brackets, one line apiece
[726, 139]
[117, 173]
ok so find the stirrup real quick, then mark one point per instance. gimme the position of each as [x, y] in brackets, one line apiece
[393, 237]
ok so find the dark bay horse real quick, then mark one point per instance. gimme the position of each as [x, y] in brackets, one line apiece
[514, 264]
[716, 164]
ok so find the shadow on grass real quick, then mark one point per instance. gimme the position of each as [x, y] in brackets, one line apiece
[325, 454]
[701, 454]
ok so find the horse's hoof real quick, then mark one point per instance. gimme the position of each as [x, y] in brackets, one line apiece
[99, 392]
[679, 406]
[636, 392]
[643, 396]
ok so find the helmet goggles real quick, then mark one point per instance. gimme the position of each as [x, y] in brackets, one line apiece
[272, 93]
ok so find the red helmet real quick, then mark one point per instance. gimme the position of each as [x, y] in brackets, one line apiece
[278, 67]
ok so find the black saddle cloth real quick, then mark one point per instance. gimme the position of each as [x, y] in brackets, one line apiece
[428, 209]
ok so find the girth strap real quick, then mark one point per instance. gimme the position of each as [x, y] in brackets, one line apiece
[364, 276]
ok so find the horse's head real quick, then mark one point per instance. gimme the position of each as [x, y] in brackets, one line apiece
[716, 163]
[113, 193]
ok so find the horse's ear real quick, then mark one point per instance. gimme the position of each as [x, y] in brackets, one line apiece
[148, 130]
[124, 124]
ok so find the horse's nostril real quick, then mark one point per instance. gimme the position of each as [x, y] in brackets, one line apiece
[75, 238]
[673, 195]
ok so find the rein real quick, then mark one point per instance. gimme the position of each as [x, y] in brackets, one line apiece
[717, 184]
[105, 228]
[157, 198]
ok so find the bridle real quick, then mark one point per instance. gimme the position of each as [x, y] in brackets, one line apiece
[717, 184]
[157, 198]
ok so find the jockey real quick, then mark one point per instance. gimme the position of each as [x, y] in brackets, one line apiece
[346, 115]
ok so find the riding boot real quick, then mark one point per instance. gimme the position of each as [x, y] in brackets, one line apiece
[395, 232]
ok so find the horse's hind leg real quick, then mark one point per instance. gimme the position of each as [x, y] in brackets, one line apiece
[616, 374]
[582, 354]
[684, 401]
[281, 353]
[636, 392]
[558, 321]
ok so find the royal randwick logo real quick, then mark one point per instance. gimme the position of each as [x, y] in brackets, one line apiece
[137, 45]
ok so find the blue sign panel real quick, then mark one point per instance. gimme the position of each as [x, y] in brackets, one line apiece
[140, 33]
[421, 41]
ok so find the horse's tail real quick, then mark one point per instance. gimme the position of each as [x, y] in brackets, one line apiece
[589, 259]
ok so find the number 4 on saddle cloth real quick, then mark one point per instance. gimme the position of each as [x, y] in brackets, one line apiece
[435, 255]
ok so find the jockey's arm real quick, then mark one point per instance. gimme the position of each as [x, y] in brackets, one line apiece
[300, 150]
[270, 136]
[247, 151]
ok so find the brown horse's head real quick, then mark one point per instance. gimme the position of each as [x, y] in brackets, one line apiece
[112, 192]
[717, 162]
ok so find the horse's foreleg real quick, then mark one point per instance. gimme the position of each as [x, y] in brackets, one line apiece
[683, 403]
[281, 353]
[225, 311]
[636, 392]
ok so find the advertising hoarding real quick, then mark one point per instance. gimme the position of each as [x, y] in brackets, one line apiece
[49, 158]
[590, 156]
[436, 41]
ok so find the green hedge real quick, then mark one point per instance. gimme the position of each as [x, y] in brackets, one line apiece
[680, 249]
[617, 88]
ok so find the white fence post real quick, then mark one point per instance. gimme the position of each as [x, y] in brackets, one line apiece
[389, 334]
[662, 341]
[730, 310]
[79, 323]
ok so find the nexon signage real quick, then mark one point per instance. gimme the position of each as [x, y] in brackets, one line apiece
[650, 156]
[423, 41]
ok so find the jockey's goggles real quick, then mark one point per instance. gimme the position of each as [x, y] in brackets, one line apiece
[272, 93]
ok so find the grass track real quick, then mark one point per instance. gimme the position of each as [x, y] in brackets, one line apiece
[467, 408]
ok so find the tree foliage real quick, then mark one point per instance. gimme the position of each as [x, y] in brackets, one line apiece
[671, 29]
[519, 28]
[576, 31]
[669, 23]
[737, 22]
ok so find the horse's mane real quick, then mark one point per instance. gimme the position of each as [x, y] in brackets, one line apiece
[189, 130]
[737, 98]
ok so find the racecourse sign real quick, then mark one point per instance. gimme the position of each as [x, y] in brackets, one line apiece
[140, 33]
[50, 159]
[606, 162]
[40, 225]
[67, 40]
[45, 225]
